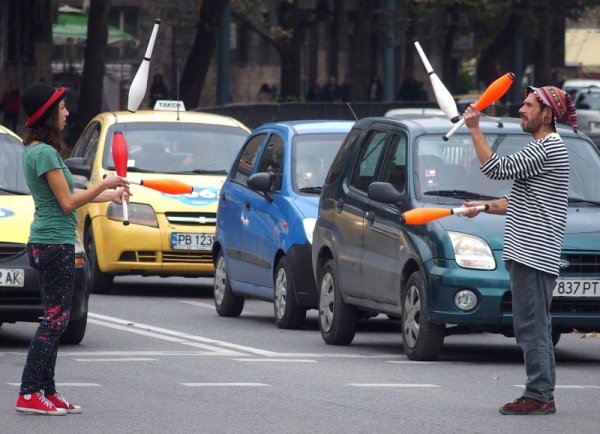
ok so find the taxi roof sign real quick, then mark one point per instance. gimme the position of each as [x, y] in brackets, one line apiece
[169, 105]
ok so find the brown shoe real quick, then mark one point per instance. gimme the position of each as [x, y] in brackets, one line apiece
[524, 405]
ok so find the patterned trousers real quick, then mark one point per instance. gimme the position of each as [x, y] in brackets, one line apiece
[56, 267]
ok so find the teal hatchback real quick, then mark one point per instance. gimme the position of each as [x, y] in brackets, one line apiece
[446, 276]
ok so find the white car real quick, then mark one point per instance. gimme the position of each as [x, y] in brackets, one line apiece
[574, 85]
[587, 104]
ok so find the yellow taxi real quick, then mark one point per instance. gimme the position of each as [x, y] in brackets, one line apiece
[20, 298]
[167, 234]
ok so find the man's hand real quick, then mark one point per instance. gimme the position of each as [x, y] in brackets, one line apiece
[471, 117]
[471, 211]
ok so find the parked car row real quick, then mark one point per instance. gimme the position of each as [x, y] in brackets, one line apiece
[306, 215]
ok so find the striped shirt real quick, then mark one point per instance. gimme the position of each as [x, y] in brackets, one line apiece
[537, 204]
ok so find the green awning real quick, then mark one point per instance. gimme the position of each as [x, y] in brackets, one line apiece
[71, 29]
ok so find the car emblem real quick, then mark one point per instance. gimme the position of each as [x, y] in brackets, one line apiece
[563, 263]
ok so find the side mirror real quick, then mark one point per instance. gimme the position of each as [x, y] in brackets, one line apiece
[384, 192]
[77, 166]
[261, 182]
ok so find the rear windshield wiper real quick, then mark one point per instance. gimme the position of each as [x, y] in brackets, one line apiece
[463, 194]
[580, 199]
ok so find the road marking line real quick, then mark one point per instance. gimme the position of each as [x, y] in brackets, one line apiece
[224, 384]
[392, 385]
[277, 360]
[411, 362]
[567, 386]
[67, 384]
[198, 303]
[119, 359]
[129, 325]
[131, 329]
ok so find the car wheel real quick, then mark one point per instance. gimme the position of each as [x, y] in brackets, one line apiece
[337, 320]
[288, 315]
[226, 302]
[422, 339]
[75, 331]
[100, 283]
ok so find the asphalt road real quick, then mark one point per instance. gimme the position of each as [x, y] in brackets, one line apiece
[157, 358]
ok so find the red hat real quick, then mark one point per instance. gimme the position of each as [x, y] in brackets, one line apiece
[38, 100]
[559, 101]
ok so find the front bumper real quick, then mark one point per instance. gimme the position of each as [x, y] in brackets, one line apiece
[25, 303]
[138, 249]
[494, 310]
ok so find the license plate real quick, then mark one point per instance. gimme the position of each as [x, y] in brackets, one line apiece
[576, 288]
[12, 277]
[185, 241]
[595, 127]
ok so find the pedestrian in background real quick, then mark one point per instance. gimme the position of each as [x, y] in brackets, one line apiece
[314, 92]
[375, 89]
[11, 105]
[536, 211]
[158, 89]
[51, 244]
[264, 93]
[331, 90]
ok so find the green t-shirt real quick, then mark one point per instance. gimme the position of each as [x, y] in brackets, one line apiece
[51, 225]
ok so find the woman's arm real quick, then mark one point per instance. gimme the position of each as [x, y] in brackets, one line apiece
[71, 201]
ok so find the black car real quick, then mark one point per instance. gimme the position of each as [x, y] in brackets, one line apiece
[445, 276]
[20, 298]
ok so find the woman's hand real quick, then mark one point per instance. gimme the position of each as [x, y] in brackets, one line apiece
[119, 194]
[114, 181]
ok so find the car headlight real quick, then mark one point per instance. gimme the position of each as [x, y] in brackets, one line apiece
[472, 252]
[139, 213]
[309, 227]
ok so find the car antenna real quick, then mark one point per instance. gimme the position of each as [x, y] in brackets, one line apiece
[350, 107]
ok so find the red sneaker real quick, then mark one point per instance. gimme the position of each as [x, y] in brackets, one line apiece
[524, 405]
[60, 402]
[36, 403]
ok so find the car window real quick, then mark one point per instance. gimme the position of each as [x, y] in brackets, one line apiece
[245, 165]
[87, 144]
[173, 147]
[312, 155]
[12, 178]
[341, 156]
[394, 169]
[272, 161]
[372, 148]
[588, 100]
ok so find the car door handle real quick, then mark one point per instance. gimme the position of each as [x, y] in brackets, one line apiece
[247, 205]
[339, 204]
[223, 196]
[370, 216]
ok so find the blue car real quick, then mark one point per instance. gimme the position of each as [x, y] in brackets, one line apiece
[266, 215]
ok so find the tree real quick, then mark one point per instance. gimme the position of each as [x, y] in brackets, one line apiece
[201, 53]
[90, 97]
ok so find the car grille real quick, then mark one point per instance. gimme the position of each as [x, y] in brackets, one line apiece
[581, 264]
[11, 250]
[195, 257]
[192, 218]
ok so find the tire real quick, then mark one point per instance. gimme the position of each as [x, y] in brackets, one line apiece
[100, 283]
[422, 340]
[338, 321]
[226, 302]
[288, 314]
[75, 331]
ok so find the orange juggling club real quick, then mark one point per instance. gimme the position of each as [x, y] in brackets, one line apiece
[120, 156]
[493, 93]
[420, 216]
[169, 186]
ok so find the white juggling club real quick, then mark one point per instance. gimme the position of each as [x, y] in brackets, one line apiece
[442, 95]
[137, 90]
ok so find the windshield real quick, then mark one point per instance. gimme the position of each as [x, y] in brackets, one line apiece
[452, 169]
[173, 147]
[311, 157]
[12, 179]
